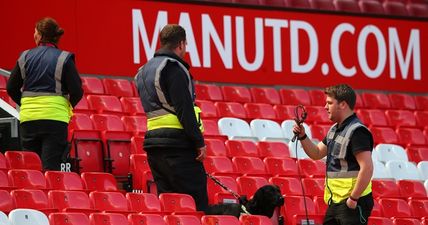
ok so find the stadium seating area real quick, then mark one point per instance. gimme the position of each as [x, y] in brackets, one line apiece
[415, 8]
[248, 145]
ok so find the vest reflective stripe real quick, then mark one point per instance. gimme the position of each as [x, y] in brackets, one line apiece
[21, 63]
[171, 121]
[58, 75]
[160, 94]
[343, 174]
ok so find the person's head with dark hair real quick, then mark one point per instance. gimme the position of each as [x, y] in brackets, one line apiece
[173, 37]
[47, 31]
[342, 92]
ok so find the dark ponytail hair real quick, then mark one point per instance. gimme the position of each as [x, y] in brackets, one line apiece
[49, 30]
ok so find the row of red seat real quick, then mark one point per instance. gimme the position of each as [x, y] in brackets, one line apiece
[417, 8]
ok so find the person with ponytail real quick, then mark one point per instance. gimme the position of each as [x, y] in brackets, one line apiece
[46, 85]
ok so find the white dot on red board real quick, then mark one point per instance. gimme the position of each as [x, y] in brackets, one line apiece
[324, 69]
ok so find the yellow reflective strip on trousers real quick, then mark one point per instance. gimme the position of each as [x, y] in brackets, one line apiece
[171, 121]
[342, 188]
[45, 108]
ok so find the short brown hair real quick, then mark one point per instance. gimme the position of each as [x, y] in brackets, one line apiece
[171, 36]
[342, 92]
[49, 30]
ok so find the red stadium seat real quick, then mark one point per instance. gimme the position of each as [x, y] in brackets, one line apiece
[419, 207]
[215, 147]
[246, 219]
[322, 5]
[87, 151]
[145, 219]
[3, 82]
[384, 135]
[219, 220]
[239, 94]
[400, 118]
[177, 203]
[260, 111]
[59, 180]
[107, 122]
[385, 189]
[96, 181]
[273, 149]
[117, 149]
[210, 128]
[231, 109]
[217, 194]
[6, 202]
[143, 202]
[219, 165]
[287, 185]
[346, 5]
[208, 92]
[135, 124]
[22, 178]
[209, 110]
[5, 97]
[92, 85]
[314, 186]
[320, 205]
[376, 211]
[68, 219]
[317, 114]
[412, 189]
[105, 104]
[4, 165]
[182, 219]
[108, 219]
[319, 131]
[402, 101]
[31, 199]
[395, 8]
[280, 166]
[4, 181]
[137, 145]
[295, 206]
[284, 112]
[80, 121]
[266, 95]
[298, 4]
[142, 178]
[250, 166]
[311, 168]
[83, 106]
[371, 6]
[248, 185]
[132, 106]
[421, 118]
[71, 201]
[380, 221]
[317, 96]
[421, 102]
[23, 160]
[109, 201]
[359, 102]
[118, 87]
[406, 221]
[372, 117]
[277, 3]
[295, 97]
[249, 2]
[392, 207]
[376, 100]
[418, 10]
[417, 153]
[241, 148]
[411, 136]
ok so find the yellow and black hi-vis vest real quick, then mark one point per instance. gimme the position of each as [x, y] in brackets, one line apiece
[340, 179]
[42, 97]
[160, 114]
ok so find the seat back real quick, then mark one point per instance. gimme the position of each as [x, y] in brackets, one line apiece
[385, 189]
[175, 202]
[28, 217]
[373, 7]
[217, 194]
[294, 96]
[59, 180]
[239, 94]
[21, 178]
[266, 130]
[6, 202]
[23, 160]
[4, 220]
[312, 168]
[384, 135]
[260, 111]
[402, 101]
[402, 170]
[234, 128]
[249, 165]
[287, 129]
[118, 87]
[412, 189]
[132, 106]
[388, 152]
[215, 147]
[182, 219]
[375, 100]
[254, 220]
[99, 181]
[68, 218]
[266, 95]
[143, 202]
[248, 185]
[241, 148]
[423, 169]
[394, 207]
[287, 185]
[105, 104]
[395, 8]
[218, 165]
[208, 92]
[107, 219]
[63, 200]
[281, 166]
[92, 85]
[272, 149]
[145, 219]
[29, 198]
[231, 109]
[108, 201]
[219, 220]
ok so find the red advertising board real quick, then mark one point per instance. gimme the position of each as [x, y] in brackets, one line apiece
[231, 44]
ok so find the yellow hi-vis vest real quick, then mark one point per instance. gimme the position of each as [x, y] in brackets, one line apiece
[342, 182]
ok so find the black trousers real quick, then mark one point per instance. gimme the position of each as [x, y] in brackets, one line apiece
[176, 170]
[48, 138]
[340, 214]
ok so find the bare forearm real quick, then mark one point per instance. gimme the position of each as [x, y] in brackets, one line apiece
[312, 150]
[363, 179]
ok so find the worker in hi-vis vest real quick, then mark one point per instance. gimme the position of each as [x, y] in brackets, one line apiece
[348, 147]
[174, 143]
[46, 84]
